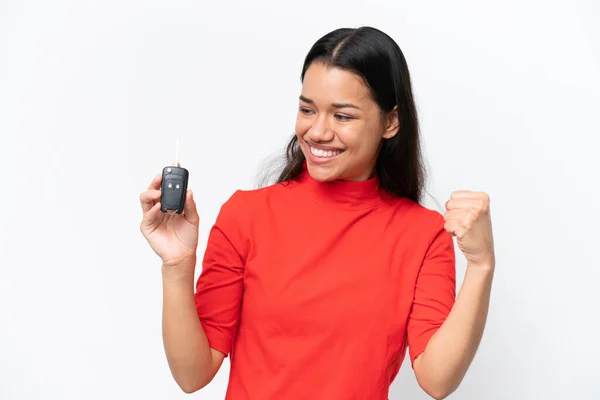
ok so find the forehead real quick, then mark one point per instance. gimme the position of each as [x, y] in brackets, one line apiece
[330, 84]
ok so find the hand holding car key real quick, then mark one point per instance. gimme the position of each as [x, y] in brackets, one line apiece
[170, 222]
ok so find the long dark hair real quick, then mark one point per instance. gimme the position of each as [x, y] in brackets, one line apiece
[374, 56]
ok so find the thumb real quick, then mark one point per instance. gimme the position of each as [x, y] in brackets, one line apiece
[189, 209]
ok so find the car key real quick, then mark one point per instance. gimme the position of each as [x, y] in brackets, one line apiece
[173, 187]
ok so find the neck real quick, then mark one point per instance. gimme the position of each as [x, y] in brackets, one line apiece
[345, 194]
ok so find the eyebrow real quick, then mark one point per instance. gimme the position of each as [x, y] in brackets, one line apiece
[335, 105]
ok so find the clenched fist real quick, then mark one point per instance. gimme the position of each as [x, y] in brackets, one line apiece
[468, 218]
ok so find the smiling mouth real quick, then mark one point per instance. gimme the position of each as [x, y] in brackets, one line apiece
[324, 153]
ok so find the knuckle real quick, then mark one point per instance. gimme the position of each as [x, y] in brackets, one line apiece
[485, 198]
[469, 217]
[486, 203]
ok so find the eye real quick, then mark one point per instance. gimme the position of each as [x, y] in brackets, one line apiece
[343, 118]
[305, 110]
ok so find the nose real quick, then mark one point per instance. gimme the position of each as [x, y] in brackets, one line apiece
[320, 130]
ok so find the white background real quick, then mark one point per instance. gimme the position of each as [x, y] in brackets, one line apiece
[94, 94]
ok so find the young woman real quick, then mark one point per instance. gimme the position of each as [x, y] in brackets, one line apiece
[316, 285]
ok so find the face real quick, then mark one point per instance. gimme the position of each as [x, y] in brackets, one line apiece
[339, 126]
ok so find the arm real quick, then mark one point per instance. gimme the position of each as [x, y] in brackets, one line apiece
[448, 355]
[452, 346]
[198, 327]
[192, 362]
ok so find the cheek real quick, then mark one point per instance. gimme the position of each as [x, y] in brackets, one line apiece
[302, 125]
[357, 139]
[370, 139]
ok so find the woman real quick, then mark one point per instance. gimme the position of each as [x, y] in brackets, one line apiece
[317, 285]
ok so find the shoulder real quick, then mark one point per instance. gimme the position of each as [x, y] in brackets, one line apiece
[432, 226]
[416, 212]
[420, 219]
[243, 201]
[428, 215]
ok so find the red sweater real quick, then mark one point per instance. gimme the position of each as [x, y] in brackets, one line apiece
[316, 288]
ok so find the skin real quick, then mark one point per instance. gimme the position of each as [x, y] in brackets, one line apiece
[174, 238]
[442, 366]
[358, 132]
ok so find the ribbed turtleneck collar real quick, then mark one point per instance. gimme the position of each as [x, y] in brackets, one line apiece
[343, 193]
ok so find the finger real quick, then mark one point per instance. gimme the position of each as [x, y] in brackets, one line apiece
[148, 199]
[458, 221]
[467, 203]
[459, 214]
[469, 194]
[454, 227]
[155, 184]
[152, 216]
[462, 194]
[189, 209]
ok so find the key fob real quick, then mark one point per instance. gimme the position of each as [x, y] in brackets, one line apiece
[173, 189]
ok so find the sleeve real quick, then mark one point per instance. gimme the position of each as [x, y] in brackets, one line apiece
[219, 287]
[435, 290]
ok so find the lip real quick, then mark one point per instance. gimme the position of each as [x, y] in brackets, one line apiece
[322, 147]
[320, 160]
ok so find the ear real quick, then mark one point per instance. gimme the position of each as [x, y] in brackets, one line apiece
[392, 124]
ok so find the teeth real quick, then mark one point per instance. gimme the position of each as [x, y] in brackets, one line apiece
[322, 153]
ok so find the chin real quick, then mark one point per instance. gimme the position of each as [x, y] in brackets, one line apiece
[321, 173]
